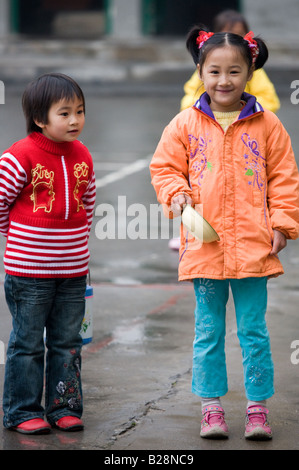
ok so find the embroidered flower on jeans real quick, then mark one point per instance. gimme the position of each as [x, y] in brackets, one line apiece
[257, 375]
[69, 392]
[61, 388]
[74, 403]
[206, 291]
[77, 364]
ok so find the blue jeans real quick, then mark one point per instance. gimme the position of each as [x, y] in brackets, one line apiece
[209, 362]
[59, 305]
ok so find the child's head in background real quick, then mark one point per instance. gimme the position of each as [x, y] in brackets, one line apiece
[232, 21]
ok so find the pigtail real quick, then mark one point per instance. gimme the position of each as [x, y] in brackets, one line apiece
[191, 43]
[262, 55]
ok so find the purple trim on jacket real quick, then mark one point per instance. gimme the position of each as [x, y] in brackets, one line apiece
[251, 106]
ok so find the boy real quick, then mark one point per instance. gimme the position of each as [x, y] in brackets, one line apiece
[47, 197]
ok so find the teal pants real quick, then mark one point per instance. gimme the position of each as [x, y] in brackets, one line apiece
[209, 378]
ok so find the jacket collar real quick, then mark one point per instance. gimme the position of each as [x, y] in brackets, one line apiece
[251, 106]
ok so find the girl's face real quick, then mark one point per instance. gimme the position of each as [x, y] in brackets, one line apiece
[225, 74]
[66, 120]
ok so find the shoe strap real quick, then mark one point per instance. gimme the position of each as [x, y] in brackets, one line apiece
[256, 409]
[212, 408]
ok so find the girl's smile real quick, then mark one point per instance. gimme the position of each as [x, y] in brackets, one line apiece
[225, 74]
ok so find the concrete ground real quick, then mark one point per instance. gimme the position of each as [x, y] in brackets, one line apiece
[137, 374]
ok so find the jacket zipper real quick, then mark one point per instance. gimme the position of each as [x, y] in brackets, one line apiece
[66, 188]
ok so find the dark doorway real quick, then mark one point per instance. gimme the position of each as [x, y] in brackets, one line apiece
[175, 17]
[35, 18]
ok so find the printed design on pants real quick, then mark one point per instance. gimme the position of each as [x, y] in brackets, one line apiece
[257, 374]
[69, 389]
[208, 324]
[206, 291]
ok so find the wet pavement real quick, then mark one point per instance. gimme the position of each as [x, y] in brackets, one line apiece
[137, 370]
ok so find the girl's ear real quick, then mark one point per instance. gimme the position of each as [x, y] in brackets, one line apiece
[198, 70]
[250, 73]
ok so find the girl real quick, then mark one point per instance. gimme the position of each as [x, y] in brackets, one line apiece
[235, 159]
[47, 196]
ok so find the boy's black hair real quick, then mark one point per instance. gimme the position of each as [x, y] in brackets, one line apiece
[46, 90]
[221, 40]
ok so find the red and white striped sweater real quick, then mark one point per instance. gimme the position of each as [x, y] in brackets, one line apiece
[47, 198]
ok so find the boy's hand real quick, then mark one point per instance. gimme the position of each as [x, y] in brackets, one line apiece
[178, 203]
[279, 242]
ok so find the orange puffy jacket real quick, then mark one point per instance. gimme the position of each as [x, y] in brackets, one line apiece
[246, 180]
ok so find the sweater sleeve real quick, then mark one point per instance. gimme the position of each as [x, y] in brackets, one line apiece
[283, 183]
[12, 179]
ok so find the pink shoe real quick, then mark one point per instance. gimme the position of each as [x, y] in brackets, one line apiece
[33, 426]
[69, 423]
[256, 426]
[213, 425]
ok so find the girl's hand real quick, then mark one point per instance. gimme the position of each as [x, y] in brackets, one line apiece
[279, 242]
[178, 203]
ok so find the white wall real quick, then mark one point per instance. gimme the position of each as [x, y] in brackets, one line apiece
[277, 21]
[126, 18]
[4, 18]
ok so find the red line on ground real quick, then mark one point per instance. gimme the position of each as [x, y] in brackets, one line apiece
[94, 347]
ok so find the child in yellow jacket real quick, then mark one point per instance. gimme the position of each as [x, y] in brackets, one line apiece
[234, 159]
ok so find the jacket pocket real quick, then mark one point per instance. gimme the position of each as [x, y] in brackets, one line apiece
[267, 223]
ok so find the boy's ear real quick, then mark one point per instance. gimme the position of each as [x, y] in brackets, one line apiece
[39, 124]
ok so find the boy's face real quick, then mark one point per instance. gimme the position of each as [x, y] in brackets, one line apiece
[65, 120]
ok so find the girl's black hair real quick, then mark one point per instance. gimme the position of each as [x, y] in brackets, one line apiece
[46, 90]
[221, 40]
